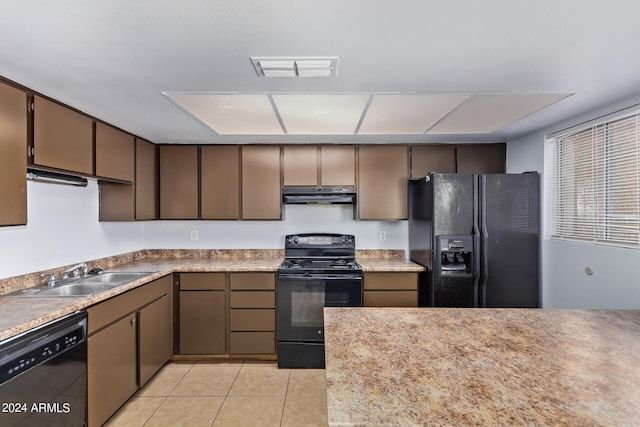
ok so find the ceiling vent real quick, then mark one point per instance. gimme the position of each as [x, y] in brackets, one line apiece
[324, 67]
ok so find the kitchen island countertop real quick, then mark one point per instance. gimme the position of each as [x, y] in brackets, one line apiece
[393, 366]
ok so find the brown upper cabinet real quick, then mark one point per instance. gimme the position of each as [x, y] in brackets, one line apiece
[178, 182]
[114, 153]
[220, 181]
[261, 182]
[62, 138]
[146, 181]
[312, 165]
[117, 202]
[13, 161]
[481, 158]
[383, 172]
[300, 165]
[432, 158]
[337, 165]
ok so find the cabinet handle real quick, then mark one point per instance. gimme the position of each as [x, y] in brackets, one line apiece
[133, 321]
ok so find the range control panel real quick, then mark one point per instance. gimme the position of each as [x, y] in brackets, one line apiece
[319, 240]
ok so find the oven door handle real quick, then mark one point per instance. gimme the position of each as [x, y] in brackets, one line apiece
[321, 276]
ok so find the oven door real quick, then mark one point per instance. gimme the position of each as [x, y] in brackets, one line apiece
[301, 299]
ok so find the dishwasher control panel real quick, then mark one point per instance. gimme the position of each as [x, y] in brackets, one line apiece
[33, 348]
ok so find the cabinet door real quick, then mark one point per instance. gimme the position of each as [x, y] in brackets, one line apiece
[337, 165]
[481, 158]
[114, 153]
[382, 182]
[261, 186]
[154, 337]
[111, 369]
[13, 159]
[62, 138]
[432, 158]
[116, 202]
[300, 165]
[178, 182]
[146, 181]
[220, 182]
[202, 322]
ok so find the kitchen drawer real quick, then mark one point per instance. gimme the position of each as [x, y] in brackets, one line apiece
[252, 281]
[253, 320]
[250, 299]
[202, 281]
[391, 281]
[252, 342]
[390, 298]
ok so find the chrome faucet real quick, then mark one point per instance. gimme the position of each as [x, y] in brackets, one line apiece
[51, 278]
[75, 270]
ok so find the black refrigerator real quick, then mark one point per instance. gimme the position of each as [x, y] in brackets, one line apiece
[478, 237]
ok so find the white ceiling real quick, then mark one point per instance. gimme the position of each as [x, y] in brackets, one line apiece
[409, 70]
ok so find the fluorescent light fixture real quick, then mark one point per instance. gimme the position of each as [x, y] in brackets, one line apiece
[295, 67]
[55, 178]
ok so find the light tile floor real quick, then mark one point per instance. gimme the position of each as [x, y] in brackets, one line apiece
[238, 393]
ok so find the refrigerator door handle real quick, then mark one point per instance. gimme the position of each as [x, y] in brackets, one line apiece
[485, 264]
[476, 266]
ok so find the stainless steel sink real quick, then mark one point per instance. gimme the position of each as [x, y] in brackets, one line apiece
[83, 286]
[114, 277]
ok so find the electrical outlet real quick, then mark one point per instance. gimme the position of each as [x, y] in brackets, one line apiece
[383, 235]
[193, 234]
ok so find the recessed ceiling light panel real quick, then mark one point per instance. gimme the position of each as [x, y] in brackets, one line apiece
[231, 114]
[295, 66]
[407, 113]
[316, 114]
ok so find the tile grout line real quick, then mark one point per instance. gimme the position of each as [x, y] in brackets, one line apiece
[286, 393]
[228, 391]
[168, 394]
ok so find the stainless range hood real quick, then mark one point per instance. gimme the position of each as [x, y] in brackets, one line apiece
[319, 195]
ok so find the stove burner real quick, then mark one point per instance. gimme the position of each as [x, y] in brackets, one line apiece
[308, 264]
[341, 263]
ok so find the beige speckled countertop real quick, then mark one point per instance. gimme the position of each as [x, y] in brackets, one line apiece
[21, 314]
[452, 367]
[382, 264]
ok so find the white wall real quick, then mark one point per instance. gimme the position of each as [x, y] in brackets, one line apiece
[270, 234]
[615, 282]
[63, 229]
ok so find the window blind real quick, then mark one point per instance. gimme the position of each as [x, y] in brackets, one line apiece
[596, 183]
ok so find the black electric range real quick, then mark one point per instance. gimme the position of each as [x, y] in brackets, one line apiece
[319, 271]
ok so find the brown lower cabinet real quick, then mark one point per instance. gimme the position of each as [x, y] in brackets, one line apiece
[227, 313]
[130, 338]
[390, 289]
[202, 313]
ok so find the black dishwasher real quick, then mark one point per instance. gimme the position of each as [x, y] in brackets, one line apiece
[43, 375]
